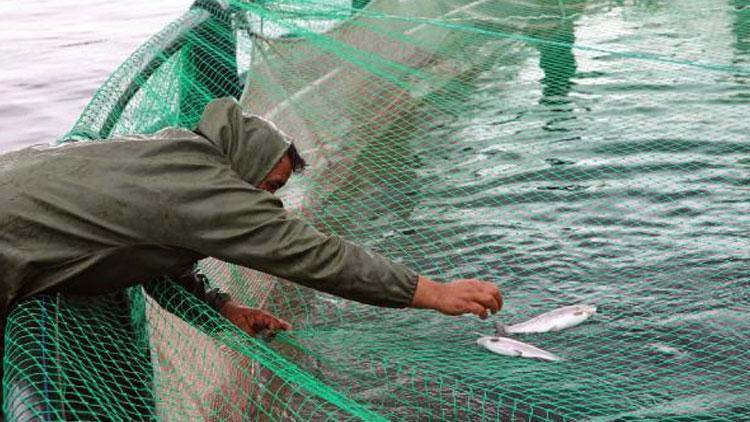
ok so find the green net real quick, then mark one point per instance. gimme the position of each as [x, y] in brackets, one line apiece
[571, 151]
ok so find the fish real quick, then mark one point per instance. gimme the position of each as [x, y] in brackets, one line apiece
[556, 320]
[509, 347]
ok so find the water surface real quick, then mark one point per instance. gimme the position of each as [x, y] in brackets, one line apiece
[56, 54]
[603, 159]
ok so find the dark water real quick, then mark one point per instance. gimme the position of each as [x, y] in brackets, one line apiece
[56, 54]
[604, 159]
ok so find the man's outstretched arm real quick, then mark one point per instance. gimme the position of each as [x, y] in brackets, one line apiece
[235, 222]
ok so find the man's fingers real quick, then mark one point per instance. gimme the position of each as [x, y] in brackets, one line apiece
[273, 323]
[491, 297]
[253, 321]
[270, 323]
[486, 296]
[478, 310]
[499, 299]
[487, 300]
[247, 326]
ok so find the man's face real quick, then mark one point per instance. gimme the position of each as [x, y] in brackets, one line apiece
[277, 177]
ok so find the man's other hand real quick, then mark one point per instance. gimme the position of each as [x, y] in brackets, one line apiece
[252, 321]
[458, 297]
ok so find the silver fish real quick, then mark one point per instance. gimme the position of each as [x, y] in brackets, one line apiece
[559, 319]
[509, 347]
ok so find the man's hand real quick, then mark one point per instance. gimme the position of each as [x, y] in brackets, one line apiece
[458, 297]
[251, 320]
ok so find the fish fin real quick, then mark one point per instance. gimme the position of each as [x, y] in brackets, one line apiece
[500, 329]
[554, 358]
[545, 355]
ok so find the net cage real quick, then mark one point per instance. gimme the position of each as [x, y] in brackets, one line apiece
[570, 151]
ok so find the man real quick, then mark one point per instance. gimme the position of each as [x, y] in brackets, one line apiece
[96, 217]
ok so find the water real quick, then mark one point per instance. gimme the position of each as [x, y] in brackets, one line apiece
[56, 53]
[574, 175]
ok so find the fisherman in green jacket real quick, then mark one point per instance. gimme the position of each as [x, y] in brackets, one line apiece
[95, 217]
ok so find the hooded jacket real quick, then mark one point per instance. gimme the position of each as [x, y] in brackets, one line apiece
[92, 217]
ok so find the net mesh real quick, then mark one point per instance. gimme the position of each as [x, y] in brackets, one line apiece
[571, 151]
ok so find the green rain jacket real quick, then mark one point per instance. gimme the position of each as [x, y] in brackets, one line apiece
[92, 217]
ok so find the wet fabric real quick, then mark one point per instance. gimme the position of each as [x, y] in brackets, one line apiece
[134, 208]
[253, 147]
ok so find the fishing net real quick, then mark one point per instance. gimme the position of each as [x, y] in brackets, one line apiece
[570, 151]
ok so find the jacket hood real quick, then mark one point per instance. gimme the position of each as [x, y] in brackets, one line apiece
[252, 144]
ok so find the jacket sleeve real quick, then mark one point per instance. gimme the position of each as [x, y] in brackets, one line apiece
[194, 282]
[231, 220]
